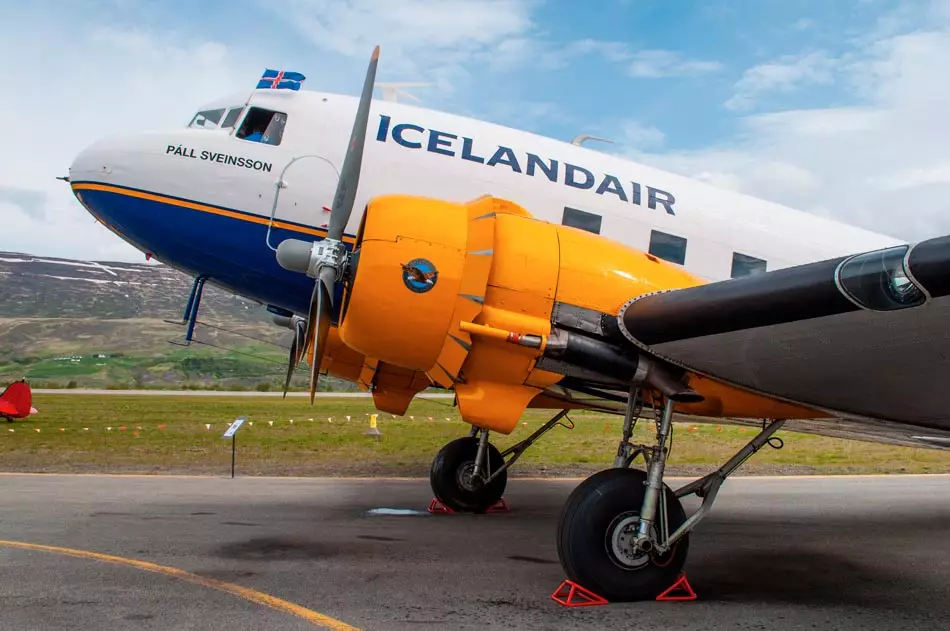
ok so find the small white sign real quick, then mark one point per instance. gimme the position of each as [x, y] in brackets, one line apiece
[235, 426]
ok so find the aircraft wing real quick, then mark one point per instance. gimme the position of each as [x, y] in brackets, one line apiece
[864, 338]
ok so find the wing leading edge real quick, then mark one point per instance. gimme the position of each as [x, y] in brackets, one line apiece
[863, 337]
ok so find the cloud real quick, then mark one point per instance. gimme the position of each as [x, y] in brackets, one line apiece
[803, 24]
[938, 174]
[641, 64]
[60, 231]
[665, 63]
[28, 201]
[880, 164]
[352, 27]
[784, 75]
[98, 78]
[521, 114]
[637, 134]
[559, 57]
[437, 41]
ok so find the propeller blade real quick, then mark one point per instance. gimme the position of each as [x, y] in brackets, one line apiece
[311, 320]
[350, 173]
[300, 337]
[291, 364]
[324, 313]
[297, 348]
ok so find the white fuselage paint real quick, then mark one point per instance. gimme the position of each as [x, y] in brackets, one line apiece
[213, 166]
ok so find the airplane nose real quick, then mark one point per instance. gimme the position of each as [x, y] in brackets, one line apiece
[99, 161]
[102, 175]
[88, 162]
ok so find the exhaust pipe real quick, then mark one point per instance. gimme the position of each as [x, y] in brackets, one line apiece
[600, 356]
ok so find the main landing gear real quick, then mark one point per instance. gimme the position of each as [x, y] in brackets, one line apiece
[469, 474]
[623, 533]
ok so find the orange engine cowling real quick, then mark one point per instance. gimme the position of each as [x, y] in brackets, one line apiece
[464, 293]
[412, 256]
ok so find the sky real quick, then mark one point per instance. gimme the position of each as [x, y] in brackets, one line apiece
[836, 108]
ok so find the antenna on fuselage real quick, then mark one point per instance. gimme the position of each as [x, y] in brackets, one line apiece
[580, 139]
[392, 91]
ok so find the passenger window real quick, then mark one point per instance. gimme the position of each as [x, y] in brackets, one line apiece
[233, 114]
[207, 118]
[581, 219]
[744, 265]
[668, 247]
[265, 126]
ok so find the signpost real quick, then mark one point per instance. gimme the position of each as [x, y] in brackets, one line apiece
[230, 433]
[373, 430]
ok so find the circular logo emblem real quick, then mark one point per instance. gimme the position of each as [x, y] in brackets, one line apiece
[419, 275]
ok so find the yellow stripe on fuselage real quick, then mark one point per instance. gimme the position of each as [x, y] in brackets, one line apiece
[162, 199]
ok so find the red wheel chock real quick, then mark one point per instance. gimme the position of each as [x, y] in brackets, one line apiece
[435, 506]
[685, 591]
[570, 594]
[501, 506]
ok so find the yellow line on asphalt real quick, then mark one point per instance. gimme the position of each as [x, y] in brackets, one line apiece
[246, 593]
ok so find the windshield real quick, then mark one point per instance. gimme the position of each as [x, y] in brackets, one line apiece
[232, 117]
[207, 119]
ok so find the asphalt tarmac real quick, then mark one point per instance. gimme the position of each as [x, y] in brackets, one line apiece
[255, 553]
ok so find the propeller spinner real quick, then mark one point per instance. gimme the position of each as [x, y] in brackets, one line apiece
[326, 261]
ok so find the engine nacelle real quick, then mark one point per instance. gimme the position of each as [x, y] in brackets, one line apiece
[412, 256]
[436, 283]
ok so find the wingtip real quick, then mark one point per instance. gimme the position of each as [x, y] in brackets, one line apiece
[376, 53]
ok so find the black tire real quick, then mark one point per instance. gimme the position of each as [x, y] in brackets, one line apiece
[585, 538]
[449, 484]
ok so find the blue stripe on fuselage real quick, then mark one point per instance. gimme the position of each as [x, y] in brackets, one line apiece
[230, 251]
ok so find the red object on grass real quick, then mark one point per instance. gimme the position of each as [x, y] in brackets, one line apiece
[570, 594]
[17, 401]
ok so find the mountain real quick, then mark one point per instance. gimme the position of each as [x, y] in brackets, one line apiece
[68, 323]
[49, 287]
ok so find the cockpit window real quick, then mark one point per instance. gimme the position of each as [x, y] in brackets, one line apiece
[207, 118]
[233, 114]
[260, 125]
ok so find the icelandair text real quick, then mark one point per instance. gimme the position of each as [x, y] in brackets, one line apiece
[446, 144]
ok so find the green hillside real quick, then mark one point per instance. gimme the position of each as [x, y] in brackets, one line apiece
[103, 325]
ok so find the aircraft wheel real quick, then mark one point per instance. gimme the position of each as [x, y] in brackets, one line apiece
[451, 477]
[595, 537]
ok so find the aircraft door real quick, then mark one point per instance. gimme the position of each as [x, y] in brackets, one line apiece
[307, 185]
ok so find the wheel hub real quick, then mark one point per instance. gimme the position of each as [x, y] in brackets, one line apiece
[621, 542]
[465, 478]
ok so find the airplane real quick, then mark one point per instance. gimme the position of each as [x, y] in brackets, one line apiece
[16, 401]
[515, 271]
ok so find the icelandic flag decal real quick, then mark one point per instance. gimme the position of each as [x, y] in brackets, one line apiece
[280, 80]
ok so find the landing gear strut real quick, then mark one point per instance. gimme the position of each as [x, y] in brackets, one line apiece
[470, 475]
[623, 533]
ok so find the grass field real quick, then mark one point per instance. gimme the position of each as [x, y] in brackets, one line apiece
[169, 434]
[135, 353]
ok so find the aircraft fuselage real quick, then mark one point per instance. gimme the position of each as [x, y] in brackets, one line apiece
[201, 198]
